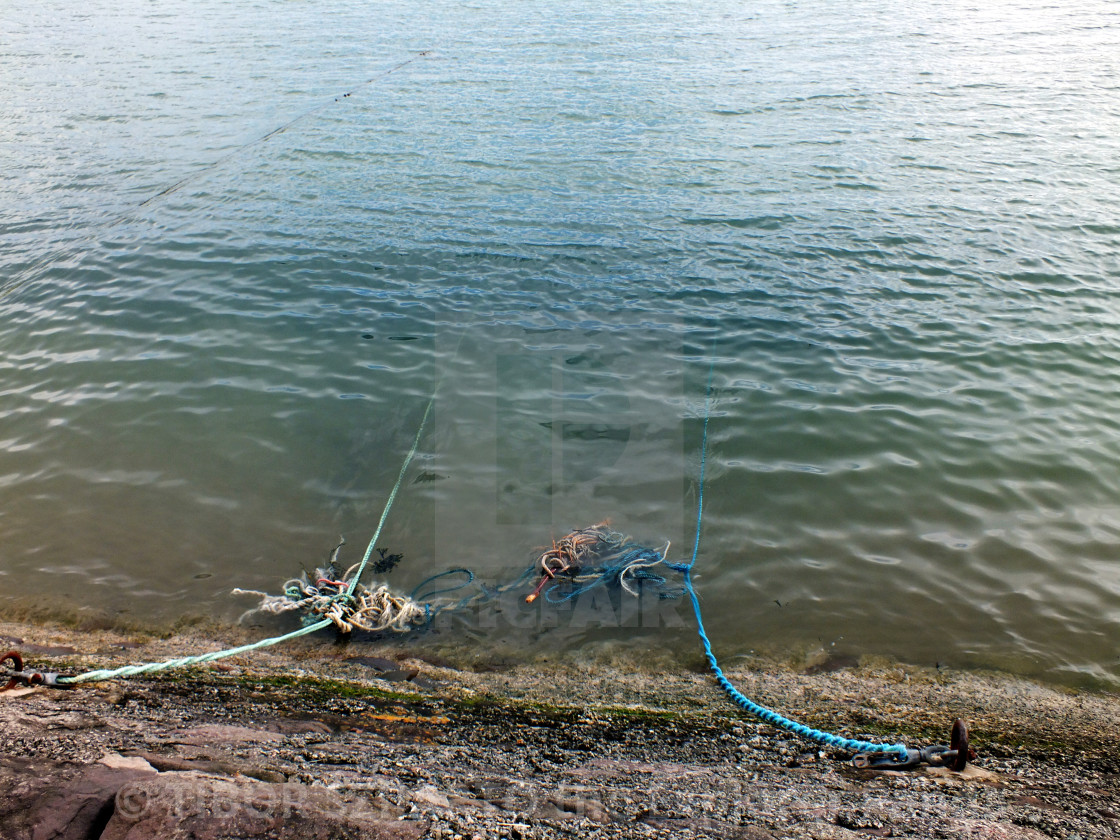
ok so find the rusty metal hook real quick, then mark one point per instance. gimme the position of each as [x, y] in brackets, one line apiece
[17, 666]
[955, 756]
[17, 676]
[958, 743]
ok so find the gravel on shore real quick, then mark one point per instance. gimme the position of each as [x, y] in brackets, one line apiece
[380, 740]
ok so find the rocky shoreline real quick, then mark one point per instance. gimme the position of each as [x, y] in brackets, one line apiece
[377, 740]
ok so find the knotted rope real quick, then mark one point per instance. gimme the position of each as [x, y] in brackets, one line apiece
[344, 601]
[580, 561]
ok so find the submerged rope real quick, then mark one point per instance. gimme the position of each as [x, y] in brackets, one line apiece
[583, 560]
[591, 557]
[178, 185]
[108, 221]
[373, 608]
[768, 715]
[393, 493]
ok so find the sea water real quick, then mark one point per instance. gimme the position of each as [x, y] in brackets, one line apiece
[876, 244]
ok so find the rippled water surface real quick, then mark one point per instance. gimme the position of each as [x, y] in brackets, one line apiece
[242, 244]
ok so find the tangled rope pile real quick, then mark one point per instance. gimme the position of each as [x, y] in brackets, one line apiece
[590, 557]
[578, 562]
[329, 594]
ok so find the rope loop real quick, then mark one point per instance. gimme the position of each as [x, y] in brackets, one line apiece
[427, 596]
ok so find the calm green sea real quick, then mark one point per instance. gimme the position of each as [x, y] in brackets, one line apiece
[242, 244]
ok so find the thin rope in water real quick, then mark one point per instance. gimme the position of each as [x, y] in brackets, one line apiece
[393, 493]
[108, 221]
[316, 109]
[741, 700]
[182, 662]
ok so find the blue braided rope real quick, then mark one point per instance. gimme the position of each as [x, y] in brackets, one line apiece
[740, 699]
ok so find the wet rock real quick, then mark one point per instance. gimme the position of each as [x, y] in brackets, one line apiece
[386, 669]
[376, 662]
[126, 762]
[218, 768]
[687, 826]
[429, 796]
[1034, 802]
[860, 820]
[400, 675]
[834, 832]
[833, 663]
[751, 832]
[194, 806]
[294, 726]
[217, 734]
[46, 650]
[990, 830]
[62, 719]
[971, 773]
[567, 807]
[45, 800]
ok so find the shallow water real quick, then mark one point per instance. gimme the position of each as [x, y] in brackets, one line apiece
[891, 232]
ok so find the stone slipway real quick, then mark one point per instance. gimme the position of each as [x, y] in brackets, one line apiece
[376, 740]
